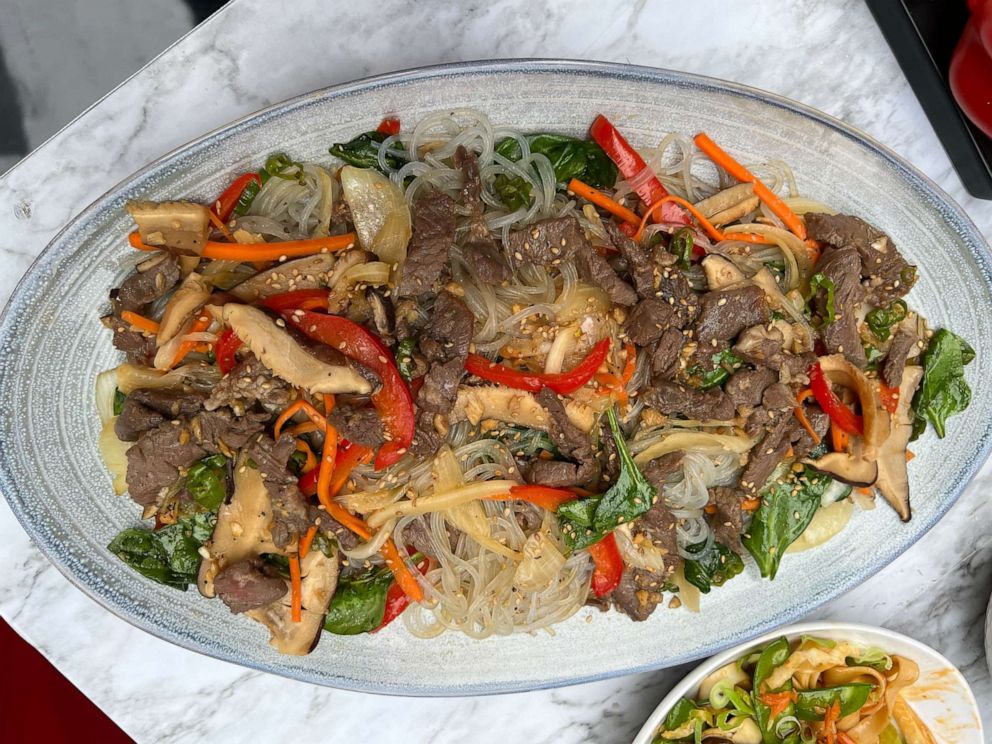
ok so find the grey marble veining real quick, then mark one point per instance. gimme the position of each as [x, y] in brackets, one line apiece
[826, 54]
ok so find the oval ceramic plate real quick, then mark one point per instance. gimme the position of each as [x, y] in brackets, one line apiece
[53, 346]
[941, 696]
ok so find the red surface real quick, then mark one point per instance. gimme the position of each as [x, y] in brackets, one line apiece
[37, 704]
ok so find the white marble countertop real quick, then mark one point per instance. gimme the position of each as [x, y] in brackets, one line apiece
[828, 54]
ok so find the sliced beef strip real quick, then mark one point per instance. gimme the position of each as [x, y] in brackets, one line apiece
[766, 455]
[426, 438]
[673, 398]
[674, 288]
[778, 397]
[143, 287]
[139, 348]
[607, 454]
[649, 320]
[291, 516]
[725, 313]
[746, 386]
[547, 242]
[796, 366]
[657, 524]
[895, 361]
[596, 269]
[762, 346]
[640, 263]
[638, 593]
[657, 471]
[431, 243]
[841, 266]
[221, 432]
[886, 274]
[155, 461]
[449, 332]
[665, 354]
[169, 403]
[528, 516]
[440, 389]
[359, 424]
[479, 250]
[250, 382]
[135, 419]
[246, 585]
[727, 521]
[415, 535]
[572, 442]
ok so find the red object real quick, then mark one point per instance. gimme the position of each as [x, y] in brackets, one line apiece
[308, 482]
[889, 397]
[970, 74]
[393, 400]
[303, 299]
[37, 704]
[545, 497]
[562, 383]
[609, 566]
[778, 702]
[397, 600]
[225, 349]
[227, 201]
[348, 456]
[632, 166]
[389, 126]
[840, 414]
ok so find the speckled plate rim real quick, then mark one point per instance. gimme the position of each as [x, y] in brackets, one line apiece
[956, 218]
[835, 629]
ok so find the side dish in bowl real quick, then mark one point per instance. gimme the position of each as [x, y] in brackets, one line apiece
[480, 378]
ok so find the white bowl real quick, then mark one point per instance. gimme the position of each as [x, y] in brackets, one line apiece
[941, 696]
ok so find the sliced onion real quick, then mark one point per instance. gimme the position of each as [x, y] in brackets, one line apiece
[541, 565]
[373, 546]
[379, 211]
[442, 501]
[374, 272]
[106, 388]
[694, 440]
[688, 594]
[114, 454]
[585, 300]
[560, 347]
[828, 522]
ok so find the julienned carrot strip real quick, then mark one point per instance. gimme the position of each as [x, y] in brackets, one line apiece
[311, 462]
[707, 226]
[220, 226]
[201, 324]
[296, 586]
[140, 322]
[715, 153]
[630, 364]
[600, 199]
[307, 541]
[801, 415]
[300, 405]
[355, 455]
[838, 438]
[263, 251]
[400, 571]
[306, 427]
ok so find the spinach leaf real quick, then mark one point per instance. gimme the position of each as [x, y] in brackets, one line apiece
[772, 657]
[523, 441]
[821, 281]
[570, 158]
[811, 704]
[206, 481]
[724, 362]
[787, 506]
[874, 355]
[119, 399]
[944, 391]
[169, 555]
[880, 320]
[627, 499]
[404, 358]
[681, 247]
[359, 603]
[712, 564]
[513, 192]
[363, 151]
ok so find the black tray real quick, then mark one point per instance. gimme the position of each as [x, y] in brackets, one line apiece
[922, 35]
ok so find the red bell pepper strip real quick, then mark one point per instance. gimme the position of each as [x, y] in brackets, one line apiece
[389, 126]
[397, 600]
[562, 383]
[226, 202]
[303, 299]
[308, 482]
[225, 348]
[393, 400]
[609, 566]
[839, 413]
[632, 166]
[545, 497]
